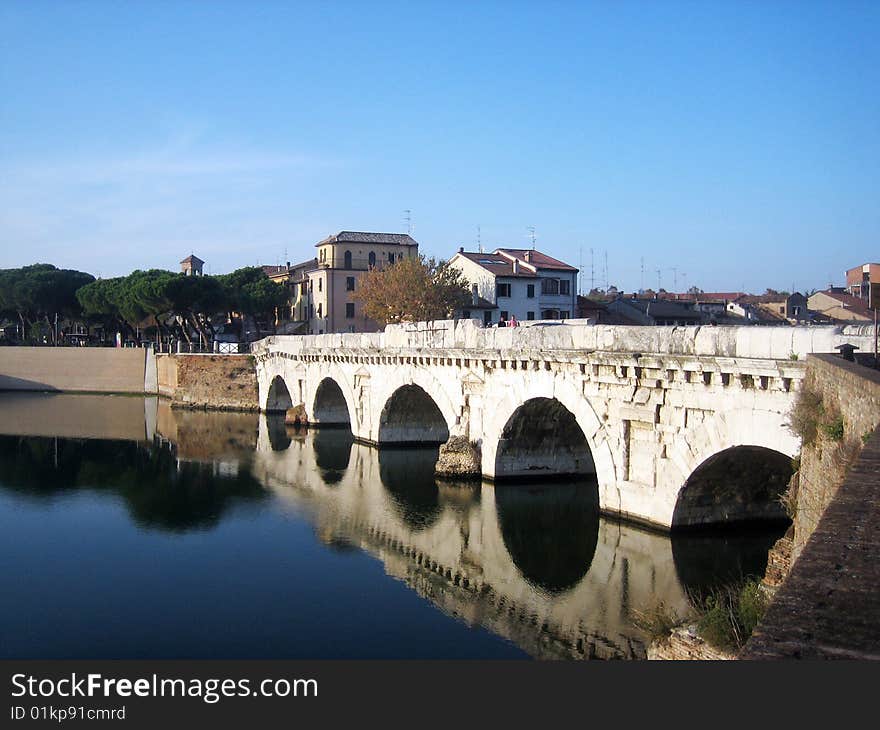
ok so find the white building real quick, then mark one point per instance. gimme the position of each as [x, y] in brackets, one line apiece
[523, 283]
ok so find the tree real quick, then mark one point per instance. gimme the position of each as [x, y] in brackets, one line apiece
[41, 293]
[413, 290]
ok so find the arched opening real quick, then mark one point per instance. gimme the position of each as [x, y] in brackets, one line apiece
[408, 476]
[330, 406]
[278, 400]
[737, 485]
[347, 260]
[412, 417]
[372, 259]
[550, 532]
[542, 438]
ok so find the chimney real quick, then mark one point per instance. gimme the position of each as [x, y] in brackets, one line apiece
[474, 295]
[515, 267]
[528, 256]
[461, 249]
[288, 265]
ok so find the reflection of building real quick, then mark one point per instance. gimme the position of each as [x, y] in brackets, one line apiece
[322, 289]
[192, 265]
[864, 282]
[523, 283]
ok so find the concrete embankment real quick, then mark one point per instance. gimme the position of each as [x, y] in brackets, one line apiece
[78, 369]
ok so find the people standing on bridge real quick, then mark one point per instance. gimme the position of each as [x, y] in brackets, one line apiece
[513, 322]
[502, 322]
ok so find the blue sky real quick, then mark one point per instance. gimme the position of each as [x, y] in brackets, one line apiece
[730, 145]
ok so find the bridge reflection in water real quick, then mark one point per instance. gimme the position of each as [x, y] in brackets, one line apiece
[534, 563]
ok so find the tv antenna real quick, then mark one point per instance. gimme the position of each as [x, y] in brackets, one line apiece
[531, 230]
[407, 218]
[479, 240]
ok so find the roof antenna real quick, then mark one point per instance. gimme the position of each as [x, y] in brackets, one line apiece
[407, 217]
[479, 240]
[531, 230]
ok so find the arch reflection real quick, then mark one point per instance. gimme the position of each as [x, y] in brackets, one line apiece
[408, 476]
[550, 530]
[332, 453]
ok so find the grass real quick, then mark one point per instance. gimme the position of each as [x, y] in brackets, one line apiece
[727, 616]
[658, 621]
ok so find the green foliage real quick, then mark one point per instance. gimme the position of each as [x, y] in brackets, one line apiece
[833, 429]
[250, 291]
[805, 416]
[793, 356]
[728, 615]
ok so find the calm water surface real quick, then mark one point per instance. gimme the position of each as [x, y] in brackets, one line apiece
[128, 530]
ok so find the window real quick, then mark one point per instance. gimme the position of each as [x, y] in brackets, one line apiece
[564, 286]
[348, 259]
[390, 258]
[466, 314]
[563, 314]
[505, 315]
[311, 285]
[502, 290]
[349, 283]
[311, 311]
[320, 284]
[319, 310]
[550, 287]
[530, 291]
[372, 259]
[487, 317]
[530, 315]
[349, 310]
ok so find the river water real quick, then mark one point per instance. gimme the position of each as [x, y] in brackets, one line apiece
[128, 530]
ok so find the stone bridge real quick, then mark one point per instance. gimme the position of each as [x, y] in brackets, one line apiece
[678, 426]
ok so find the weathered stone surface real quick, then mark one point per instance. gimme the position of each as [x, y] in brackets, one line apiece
[223, 382]
[459, 458]
[828, 606]
[651, 407]
[684, 644]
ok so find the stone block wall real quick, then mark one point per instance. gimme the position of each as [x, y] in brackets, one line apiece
[853, 391]
[223, 382]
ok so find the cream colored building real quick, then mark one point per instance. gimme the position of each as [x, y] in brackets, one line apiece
[322, 289]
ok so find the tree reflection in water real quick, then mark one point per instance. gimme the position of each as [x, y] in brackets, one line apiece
[160, 491]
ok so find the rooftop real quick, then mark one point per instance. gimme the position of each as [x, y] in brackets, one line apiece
[397, 239]
[529, 262]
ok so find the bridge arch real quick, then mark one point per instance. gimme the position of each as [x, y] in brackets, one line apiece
[501, 404]
[434, 399]
[729, 468]
[278, 398]
[411, 416]
[738, 484]
[542, 438]
[330, 407]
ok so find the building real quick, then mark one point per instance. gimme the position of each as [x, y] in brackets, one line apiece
[655, 312]
[516, 282]
[838, 306]
[863, 282]
[192, 265]
[322, 289]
